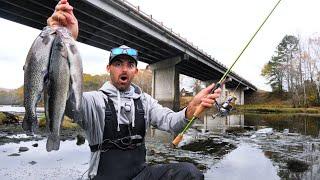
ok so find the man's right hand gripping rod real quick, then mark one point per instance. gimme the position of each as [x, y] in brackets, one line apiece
[200, 109]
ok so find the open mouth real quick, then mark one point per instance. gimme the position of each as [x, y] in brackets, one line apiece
[123, 78]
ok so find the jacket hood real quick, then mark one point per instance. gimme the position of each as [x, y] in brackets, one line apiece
[134, 91]
[120, 99]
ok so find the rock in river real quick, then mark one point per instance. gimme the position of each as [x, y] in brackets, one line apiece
[23, 149]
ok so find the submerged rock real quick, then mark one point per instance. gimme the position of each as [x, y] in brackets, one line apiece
[32, 162]
[236, 130]
[210, 146]
[80, 139]
[23, 149]
[297, 165]
[14, 154]
[263, 132]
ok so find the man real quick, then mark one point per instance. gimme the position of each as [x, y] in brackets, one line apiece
[115, 118]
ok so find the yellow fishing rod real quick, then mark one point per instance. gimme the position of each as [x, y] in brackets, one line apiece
[200, 108]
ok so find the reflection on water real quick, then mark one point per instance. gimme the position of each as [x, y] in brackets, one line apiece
[245, 162]
[302, 124]
[264, 157]
[17, 109]
[68, 163]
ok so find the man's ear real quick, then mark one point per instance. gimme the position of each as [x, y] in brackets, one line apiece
[108, 68]
[137, 70]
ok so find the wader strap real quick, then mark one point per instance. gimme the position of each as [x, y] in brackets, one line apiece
[128, 137]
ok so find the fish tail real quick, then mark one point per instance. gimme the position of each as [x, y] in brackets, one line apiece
[53, 142]
[29, 124]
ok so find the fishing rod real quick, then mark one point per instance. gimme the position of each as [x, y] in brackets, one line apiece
[200, 108]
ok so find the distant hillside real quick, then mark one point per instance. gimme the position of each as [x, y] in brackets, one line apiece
[90, 83]
[264, 97]
[9, 97]
[5, 89]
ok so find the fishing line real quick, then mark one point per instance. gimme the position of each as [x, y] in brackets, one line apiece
[200, 108]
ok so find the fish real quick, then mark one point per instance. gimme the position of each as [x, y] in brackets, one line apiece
[56, 91]
[76, 71]
[35, 76]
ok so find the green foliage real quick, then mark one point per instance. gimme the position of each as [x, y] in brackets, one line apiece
[2, 117]
[93, 82]
[90, 83]
[278, 68]
[144, 80]
[42, 121]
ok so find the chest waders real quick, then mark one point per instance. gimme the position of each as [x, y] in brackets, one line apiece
[122, 152]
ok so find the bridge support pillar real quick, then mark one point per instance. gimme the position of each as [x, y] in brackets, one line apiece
[165, 83]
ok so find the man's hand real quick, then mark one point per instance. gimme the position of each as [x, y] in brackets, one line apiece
[203, 98]
[63, 16]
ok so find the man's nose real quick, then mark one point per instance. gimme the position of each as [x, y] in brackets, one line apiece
[124, 67]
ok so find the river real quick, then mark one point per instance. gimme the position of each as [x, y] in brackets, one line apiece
[236, 151]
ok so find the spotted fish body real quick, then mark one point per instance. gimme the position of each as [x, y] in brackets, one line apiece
[57, 89]
[35, 74]
[76, 71]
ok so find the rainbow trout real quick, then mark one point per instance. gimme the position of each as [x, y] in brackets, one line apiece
[56, 92]
[35, 75]
[65, 82]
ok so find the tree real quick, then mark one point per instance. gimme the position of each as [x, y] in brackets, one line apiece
[280, 70]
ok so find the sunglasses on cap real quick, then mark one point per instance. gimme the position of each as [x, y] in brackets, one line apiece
[128, 51]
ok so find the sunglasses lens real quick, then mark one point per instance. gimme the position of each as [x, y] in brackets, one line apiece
[128, 51]
[132, 52]
[116, 51]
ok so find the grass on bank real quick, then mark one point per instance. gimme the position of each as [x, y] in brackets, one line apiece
[267, 107]
[276, 109]
[3, 117]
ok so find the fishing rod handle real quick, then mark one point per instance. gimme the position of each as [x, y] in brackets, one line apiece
[200, 108]
[177, 140]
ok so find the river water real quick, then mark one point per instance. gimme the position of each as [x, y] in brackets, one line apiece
[240, 154]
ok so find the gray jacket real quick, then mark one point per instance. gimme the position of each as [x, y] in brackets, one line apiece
[93, 115]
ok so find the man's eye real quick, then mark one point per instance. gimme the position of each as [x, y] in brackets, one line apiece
[132, 65]
[117, 64]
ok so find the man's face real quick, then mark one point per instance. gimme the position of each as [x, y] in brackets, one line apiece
[122, 71]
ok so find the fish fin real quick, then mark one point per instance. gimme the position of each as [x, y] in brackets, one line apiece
[53, 142]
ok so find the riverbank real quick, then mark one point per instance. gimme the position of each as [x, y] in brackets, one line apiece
[290, 141]
[11, 129]
[276, 109]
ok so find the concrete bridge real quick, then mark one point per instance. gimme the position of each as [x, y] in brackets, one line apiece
[110, 23]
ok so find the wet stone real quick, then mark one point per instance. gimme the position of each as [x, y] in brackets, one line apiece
[297, 165]
[150, 152]
[80, 139]
[23, 149]
[208, 146]
[14, 154]
[35, 145]
[236, 130]
[32, 162]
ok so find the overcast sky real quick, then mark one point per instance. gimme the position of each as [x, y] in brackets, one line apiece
[220, 28]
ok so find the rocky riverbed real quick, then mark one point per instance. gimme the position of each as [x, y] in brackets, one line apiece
[235, 152]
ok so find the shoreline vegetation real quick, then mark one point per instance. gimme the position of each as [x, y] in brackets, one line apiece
[276, 109]
[8, 118]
